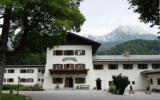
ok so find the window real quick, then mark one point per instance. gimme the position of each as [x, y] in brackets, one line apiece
[80, 66]
[26, 71]
[4, 80]
[155, 66]
[11, 71]
[127, 66]
[80, 52]
[30, 80]
[158, 81]
[80, 80]
[58, 52]
[68, 66]
[110, 83]
[133, 82]
[42, 80]
[112, 66]
[23, 80]
[57, 66]
[43, 71]
[98, 67]
[57, 80]
[22, 71]
[30, 71]
[151, 81]
[68, 52]
[142, 66]
[39, 79]
[10, 80]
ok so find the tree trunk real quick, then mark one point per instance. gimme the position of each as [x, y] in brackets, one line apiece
[3, 43]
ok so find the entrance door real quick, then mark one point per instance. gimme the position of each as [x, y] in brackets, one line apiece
[69, 82]
[98, 84]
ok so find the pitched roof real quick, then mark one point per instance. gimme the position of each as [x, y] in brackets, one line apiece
[74, 39]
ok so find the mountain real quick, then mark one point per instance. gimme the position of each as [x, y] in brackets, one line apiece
[136, 47]
[122, 34]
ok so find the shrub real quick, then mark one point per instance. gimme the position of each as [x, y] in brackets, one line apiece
[22, 87]
[121, 82]
[112, 89]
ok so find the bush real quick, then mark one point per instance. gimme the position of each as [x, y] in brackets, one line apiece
[121, 82]
[112, 89]
[22, 87]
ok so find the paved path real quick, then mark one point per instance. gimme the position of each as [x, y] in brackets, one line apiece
[88, 95]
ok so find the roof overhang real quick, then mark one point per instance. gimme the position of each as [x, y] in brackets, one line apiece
[148, 72]
[74, 39]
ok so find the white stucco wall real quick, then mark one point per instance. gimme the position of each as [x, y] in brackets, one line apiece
[133, 74]
[154, 77]
[17, 73]
[85, 59]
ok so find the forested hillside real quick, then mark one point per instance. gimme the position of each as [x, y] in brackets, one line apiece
[139, 47]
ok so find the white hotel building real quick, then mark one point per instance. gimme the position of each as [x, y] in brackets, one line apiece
[75, 65]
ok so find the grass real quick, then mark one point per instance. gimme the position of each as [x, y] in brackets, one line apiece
[14, 97]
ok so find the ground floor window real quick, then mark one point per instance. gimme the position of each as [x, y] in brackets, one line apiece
[57, 80]
[80, 80]
[4, 80]
[110, 83]
[151, 81]
[158, 81]
[10, 80]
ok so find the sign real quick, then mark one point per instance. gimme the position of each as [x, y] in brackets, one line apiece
[70, 58]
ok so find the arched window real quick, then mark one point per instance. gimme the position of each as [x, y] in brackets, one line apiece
[57, 66]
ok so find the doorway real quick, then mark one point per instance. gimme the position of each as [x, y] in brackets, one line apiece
[98, 84]
[69, 82]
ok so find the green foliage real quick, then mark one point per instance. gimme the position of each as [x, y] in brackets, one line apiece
[135, 47]
[15, 87]
[112, 89]
[26, 59]
[148, 10]
[121, 82]
[22, 87]
[14, 97]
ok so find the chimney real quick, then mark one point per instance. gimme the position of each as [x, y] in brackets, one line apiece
[126, 54]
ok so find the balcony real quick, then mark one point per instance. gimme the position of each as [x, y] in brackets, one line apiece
[68, 71]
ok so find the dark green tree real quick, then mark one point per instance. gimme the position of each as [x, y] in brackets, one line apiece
[39, 21]
[121, 82]
[148, 10]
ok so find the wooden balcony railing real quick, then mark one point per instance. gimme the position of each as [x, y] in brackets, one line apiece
[68, 71]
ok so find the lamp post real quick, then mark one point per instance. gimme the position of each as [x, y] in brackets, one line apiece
[18, 85]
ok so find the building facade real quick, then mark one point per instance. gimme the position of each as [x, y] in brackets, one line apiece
[74, 65]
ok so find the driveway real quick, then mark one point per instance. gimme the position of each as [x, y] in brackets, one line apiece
[87, 95]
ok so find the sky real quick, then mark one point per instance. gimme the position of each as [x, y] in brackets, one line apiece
[103, 16]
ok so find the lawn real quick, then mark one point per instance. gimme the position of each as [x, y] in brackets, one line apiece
[14, 97]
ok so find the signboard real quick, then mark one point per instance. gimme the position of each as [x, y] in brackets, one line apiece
[70, 58]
